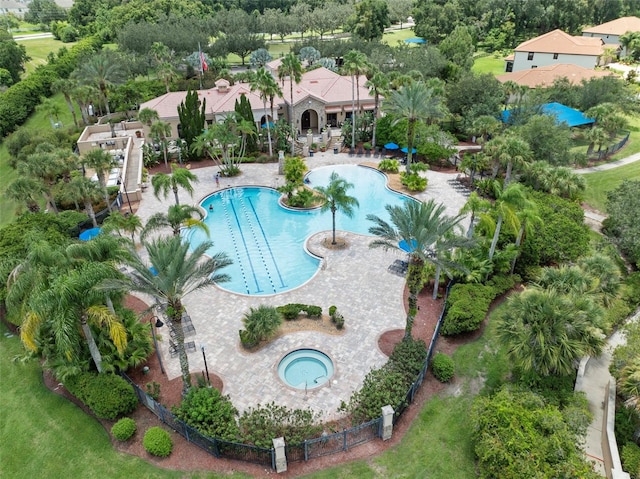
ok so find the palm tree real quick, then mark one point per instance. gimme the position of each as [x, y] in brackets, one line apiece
[177, 274]
[414, 102]
[545, 332]
[51, 108]
[66, 86]
[378, 85]
[176, 218]
[269, 89]
[509, 150]
[26, 190]
[101, 70]
[129, 223]
[160, 131]
[355, 64]
[82, 95]
[606, 273]
[529, 219]
[337, 199]
[595, 136]
[147, 116]
[484, 126]
[429, 233]
[474, 205]
[292, 68]
[102, 162]
[82, 189]
[508, 200]
[179, 177]
[167, 73]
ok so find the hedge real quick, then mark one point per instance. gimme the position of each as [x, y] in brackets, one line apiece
[107, 395]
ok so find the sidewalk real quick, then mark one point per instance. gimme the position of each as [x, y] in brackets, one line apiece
[594, 385]
[609, 166]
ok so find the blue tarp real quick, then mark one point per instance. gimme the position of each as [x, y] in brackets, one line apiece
[89, 234]
[415, 40]
[563, 114]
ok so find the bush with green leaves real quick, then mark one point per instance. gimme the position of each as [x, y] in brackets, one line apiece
[503, 283]
[389, 165]
[260, 323]
[211, 413]
[107, 395]
[261, 424]
[313, 311]
[124, 429]
[443, 367]
[631, 459]
[290, 311]
[467, 306]
[303, 198]
[157, 442]
[408, 357]
[412, 180]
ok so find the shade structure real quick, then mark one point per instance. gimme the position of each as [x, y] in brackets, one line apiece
[415, 40]
[407, 247]
[264, 125]
[562, 114]
[89, 234]
[406, 150]
[391, 146]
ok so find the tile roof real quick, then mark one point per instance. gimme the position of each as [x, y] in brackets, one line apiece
[326, 86]
[545, 76]
[616, 27]
[558, 41]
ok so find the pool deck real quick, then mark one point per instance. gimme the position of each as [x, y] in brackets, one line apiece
[354, 279]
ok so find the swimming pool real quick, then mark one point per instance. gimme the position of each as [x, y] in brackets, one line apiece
[266, 241]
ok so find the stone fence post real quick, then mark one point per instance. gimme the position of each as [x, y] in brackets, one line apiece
[281, 458]
[387, 422]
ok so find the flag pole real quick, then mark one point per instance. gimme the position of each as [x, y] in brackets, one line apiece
[201, 66]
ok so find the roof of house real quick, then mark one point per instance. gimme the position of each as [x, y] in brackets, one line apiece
[12, 5]
[320, 84]
[545, 76]
[616, 27]
[558, 41]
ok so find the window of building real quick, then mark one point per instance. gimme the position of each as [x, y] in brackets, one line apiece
[509, 67]
[332, 119]
[555, 56]
[530, 56]
[534, 66]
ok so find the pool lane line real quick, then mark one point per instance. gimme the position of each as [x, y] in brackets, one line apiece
[225, 203]
[246, 248]
[264, 235]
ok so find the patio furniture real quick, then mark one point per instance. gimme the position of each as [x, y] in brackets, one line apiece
[189, 347]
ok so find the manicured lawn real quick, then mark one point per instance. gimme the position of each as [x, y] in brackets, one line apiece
[633, 145]
[488, 64]
[43, 435]
[39, 48]
[599, 183]
[392, 37]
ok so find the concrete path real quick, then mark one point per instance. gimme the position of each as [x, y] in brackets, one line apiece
[354, 279]
[594, 385]
[609, 166]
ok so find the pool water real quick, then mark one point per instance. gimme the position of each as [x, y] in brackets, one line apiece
[305, 369]
[267, 241]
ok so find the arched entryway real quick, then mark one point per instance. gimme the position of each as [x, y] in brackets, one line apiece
[309, 121]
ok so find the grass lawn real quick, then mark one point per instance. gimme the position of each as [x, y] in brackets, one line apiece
[488, 64]
[633, 145]
[43, 435]
[599, 183]
[392, 37]
[38, 49]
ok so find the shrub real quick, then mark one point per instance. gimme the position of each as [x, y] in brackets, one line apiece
[389, 165]
[413, 181]
[339, 320]
[467, 306]
[211, 413]
[302, 199]
[408, 357]
[260, 425]
[502, 283]
[124, 429]
[107, 395]
[631, 459]
[313, 311]
[153, 390]
[332, 311]
[157, 442]
[290, 311]
[443, 367]
[261, 323]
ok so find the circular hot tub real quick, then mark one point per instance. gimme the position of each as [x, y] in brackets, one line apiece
[305, 368]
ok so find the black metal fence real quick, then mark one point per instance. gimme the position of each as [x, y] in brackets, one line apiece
[304, 451]
[607, 152]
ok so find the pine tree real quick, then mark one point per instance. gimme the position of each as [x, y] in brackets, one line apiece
[192, 119]
[244, 111]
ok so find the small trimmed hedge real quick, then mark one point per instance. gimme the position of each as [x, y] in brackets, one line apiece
[291, 311]
[107, 395]
[157, 442]
[124, 429]
[443, 367]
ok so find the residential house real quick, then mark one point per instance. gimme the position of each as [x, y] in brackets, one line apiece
[556, 47]
[610, 32]
[16, 8]
[543, 77]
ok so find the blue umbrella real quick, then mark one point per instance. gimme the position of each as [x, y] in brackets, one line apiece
[153, 271]
[89, 234]
[264, 125]
[409, 248]
[406, 150]
[391, 146]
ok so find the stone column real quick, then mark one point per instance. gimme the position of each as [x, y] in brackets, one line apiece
[281, 162]
[281, 458]
[387, 422]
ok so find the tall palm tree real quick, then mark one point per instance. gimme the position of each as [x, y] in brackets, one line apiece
[509, 150]
[160, 131]
[66, 86]
[81, 189]
[26, 190]
[292, 68]
[269, 89]
[378, 85]
[167, 73]
[355, 64]
[337, 199]
[82, 95]
[128, 223]
[529, 219]
[51, 108]
[176, 218]
[414, 102]
[179, 177]
[177, 274]
[606, 273]
[508, 200]
[429, 233]
[101, 70]
[147, 116]
[102, 162]
[474, 205]
[485, 126]
[545, 332]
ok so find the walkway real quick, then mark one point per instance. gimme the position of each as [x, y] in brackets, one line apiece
[609, 166]
[354, 279]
